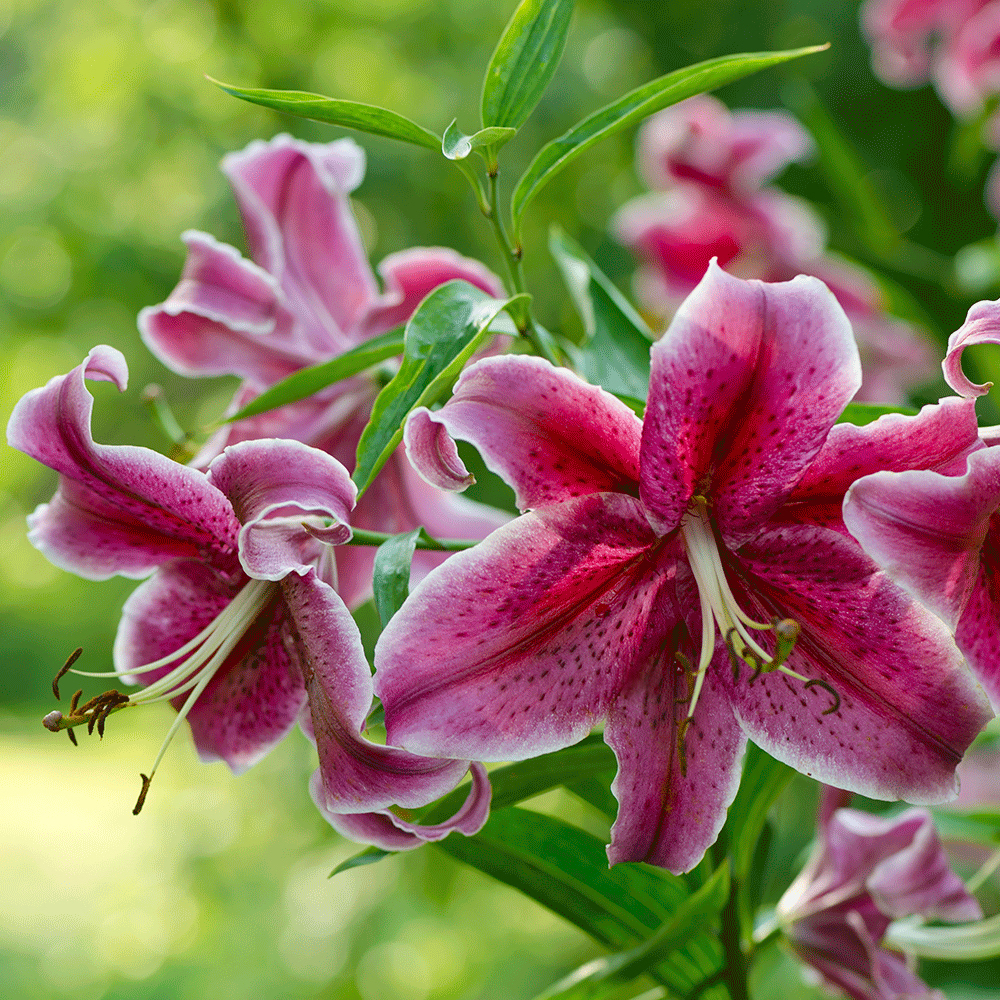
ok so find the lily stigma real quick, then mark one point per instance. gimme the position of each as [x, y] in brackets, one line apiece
[719, 608]
[197, 662]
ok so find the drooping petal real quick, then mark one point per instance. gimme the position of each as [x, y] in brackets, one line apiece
[940, 437]
[744, 368]
[119, 509]
[981, 326]
[409, 275]
[275, 485]
[542, 429]
[358, 776]
[927, 530]
[918, 878]
[294, 199]
[225, 317]
[894, 709]
[258, 693]
[390, 832]
[516, 647]
[671, 808]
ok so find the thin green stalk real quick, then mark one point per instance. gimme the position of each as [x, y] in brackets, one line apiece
[362, 537]
[736, 969]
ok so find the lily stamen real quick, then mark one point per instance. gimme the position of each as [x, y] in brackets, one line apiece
[200, 660]
[720, 609]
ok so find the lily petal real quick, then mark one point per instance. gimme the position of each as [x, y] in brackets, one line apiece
[940, 437]
[744, 367]
[390, 832]
[225, 317]
[119, 509]
[904, 711]
[275, 485]
[294, 199]
[358, 776]
[671, 811]
[981, 326]
[542, 429]
[257, 695]
[516, 647]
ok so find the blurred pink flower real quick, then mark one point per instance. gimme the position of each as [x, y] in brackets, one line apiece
[865, 872]
[308, 295]
[712, 165]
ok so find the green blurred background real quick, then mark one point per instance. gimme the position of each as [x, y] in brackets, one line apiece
[110, 140]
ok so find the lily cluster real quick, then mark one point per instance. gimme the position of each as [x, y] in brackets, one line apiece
[729, 567]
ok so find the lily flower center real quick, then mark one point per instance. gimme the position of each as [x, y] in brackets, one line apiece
[195, 664]
[719, 608]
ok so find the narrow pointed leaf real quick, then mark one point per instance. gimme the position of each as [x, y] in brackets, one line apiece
[391, 573]
[525, 61]
[860, 414]
[308, 381]
[366, 857]
[616, 353]
[599, 978]
[445, 331]
[764, 779]
[633, 107]
[566, 870]
[332, 111]
[457, 146]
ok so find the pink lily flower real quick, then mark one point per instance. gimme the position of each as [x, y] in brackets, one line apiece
[865, 872]
[238, 627]
[936, 534]
[701, 140]
[685, 578]
[713, 165]
[901, 33]
[307, 295]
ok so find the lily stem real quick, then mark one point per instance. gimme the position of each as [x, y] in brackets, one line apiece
[512, 258]
[736, 969]
[424, 541]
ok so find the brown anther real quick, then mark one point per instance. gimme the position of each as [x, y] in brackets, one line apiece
[758, 666]
[67, 666]
[681, 749]
[75, 701]
[72, 736]
[142, 795]
[815, 682]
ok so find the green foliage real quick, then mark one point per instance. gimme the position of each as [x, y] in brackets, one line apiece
[308, 381]
[616, 352]
[391, 574]
[525, 61]
[860, 414]
[633, 107]
[456, 145]
[332, 111]
[445, 331]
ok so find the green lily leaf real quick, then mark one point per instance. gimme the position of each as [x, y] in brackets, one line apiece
[633, 107]
[457, 146]
[348, 114]
[566, 870]
[445, 331]
[764, 779]
[860, 414]
[616, 354]
[599, 978]
[525, 61]
[391, 574]
[304, 383]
